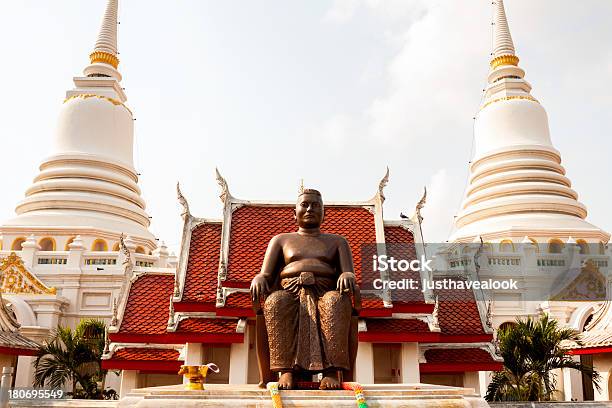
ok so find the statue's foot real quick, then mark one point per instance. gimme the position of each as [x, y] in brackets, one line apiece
[330, 382]
[285, 381]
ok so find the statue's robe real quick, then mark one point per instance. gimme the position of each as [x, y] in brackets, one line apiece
[308, 323]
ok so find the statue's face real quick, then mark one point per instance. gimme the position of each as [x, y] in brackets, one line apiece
[309, 211]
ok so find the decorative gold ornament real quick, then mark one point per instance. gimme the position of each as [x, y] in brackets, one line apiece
[106, 98]
[196, 375]
[105, 58]
[509, 98]
[15, 278]
[504, 60]
[589, 284]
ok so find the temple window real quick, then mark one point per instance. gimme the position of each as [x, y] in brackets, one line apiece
[555, 246]
[68, 242]
[506, 246]
[140, 250]
[99, 245]
[16, 245]
[584, 247]
[47, 244]
[116, 247]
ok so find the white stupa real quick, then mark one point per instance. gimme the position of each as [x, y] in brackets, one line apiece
[517, 186]
[88, 186]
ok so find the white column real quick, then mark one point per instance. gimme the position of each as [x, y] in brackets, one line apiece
[129, 381]
[24, 375]
[193, 355]
[572, 384]
[410, 363]
[75, 254]
[239, 362]
[471, 379]
[604, 393]
[364, 364]
[162, 254]
[28, 250]
[484, 379]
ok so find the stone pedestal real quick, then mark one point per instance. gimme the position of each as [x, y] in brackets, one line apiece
[377, 396]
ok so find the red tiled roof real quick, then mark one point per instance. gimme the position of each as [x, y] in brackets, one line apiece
[369, 301]
[253, 226]
[464, 355]
[207, 326]
[145, 354]
[458, 314]
[396, 325]
[240, 300]
[202, 264]
[400, 245]
[397, 330]
[145, 360]
[146, 311]
[458, 360]
[396, 235]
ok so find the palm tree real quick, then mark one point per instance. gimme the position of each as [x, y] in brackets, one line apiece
[532, 349]
[72, 356]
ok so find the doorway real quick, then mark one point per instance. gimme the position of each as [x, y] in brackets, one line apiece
[387, 363]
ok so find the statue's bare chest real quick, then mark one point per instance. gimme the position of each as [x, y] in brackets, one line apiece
[298, 248]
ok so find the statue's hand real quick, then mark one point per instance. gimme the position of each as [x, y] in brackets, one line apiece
[259, 287]
[346, 282]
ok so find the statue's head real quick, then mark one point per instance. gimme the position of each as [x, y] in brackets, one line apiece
[309, 209]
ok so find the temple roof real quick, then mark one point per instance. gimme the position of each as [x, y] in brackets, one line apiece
[208, 299]
[11, 340]
[597, 337]
[451, 360]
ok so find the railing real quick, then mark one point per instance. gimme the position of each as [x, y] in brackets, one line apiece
[504, 261]
[552, 261]
[145, 261]
[51, 258]
[100, 258]
[461, 263]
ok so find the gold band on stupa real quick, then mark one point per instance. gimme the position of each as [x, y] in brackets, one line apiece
[105, 58]
[504, 60]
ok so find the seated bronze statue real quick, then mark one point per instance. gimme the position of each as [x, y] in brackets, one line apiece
[308, 321]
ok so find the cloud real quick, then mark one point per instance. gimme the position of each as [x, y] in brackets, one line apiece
[439, 209]
[431, 80]
[341, 11]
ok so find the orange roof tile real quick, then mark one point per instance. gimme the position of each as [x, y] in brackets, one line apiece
[397, 330]
[145, 354]
[202, 264]
[464, 355]
[458, 313]
[400, 245]
[207, 326]
[146, 311]
[396, 326]
[240, 300]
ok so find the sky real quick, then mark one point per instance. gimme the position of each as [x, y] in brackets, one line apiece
[331, 92]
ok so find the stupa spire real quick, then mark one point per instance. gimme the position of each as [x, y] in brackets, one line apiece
[517, 186]
[503, 47]
[104, 61]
